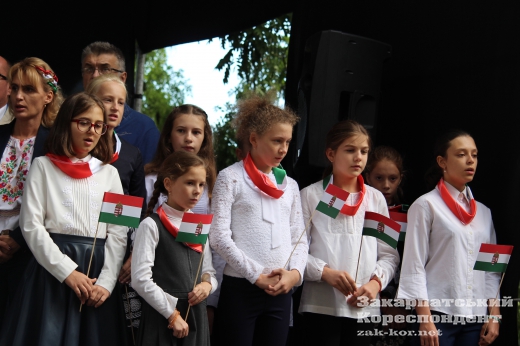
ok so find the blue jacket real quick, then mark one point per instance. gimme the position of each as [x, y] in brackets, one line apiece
[140, 131]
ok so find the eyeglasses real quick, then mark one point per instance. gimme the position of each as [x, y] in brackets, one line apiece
[85, 125]
[101, 70]
[3, 77]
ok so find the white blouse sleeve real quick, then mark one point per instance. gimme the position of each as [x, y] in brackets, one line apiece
[387, 256]
[32, 224]
[207, 268]
[149, 182]
[143, 259]
[299, 257]
[315, 265]
[412, 283]
[220, 236]
[115, 244]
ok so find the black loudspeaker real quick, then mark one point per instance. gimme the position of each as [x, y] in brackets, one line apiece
[341, 79]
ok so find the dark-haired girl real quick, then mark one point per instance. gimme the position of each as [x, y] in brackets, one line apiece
[164, 270]
[445, 230]
[344, 266]
[59, 218]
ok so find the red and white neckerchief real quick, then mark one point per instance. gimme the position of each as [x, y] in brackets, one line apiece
[174, 231]
[118, 148]
[76, 170]
[263, 182]
[349, 210]
[461, 214]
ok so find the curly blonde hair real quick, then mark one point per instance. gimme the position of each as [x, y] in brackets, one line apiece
[26, 71]
[258, 114]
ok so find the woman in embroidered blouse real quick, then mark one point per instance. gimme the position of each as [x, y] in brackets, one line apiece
[445, 230]
[59, 218]
[34, 102]
[343, 266]
[257, 223]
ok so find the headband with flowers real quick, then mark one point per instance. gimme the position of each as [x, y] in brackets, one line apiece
[50, 78]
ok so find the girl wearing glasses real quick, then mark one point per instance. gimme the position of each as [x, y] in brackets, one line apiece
[33, 103]
[59, 220]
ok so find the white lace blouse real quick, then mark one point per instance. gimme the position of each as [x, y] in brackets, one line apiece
[243, 237]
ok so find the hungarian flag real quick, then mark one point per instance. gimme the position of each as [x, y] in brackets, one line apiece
[381, 227]
[493, 257]
[332, 201]
[194, 228]
[402, 220]
[121, 210]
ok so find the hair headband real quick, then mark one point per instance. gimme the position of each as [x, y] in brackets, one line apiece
[50, 77]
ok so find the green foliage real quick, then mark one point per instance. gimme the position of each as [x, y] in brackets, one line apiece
[260, 56]
[224, 138]
[163, 87]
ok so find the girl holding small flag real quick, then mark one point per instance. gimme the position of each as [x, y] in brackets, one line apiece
[257, 223]
[385, 172]
[164, 270]
[446, 228]
[343, 266]
[59, 218]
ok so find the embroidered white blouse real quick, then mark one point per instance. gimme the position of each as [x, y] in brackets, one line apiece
[440, 252]
[14, 166]
[250, 241]
[57, 203]
[336, 243]
[143, 259]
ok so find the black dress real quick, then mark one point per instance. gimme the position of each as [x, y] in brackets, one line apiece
[175, 274]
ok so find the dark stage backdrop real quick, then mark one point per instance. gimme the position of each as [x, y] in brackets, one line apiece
[453, 65]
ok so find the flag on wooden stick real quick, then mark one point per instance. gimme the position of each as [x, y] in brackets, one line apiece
[493, 257]
[381, 227]
[121, 210]
[194, 228]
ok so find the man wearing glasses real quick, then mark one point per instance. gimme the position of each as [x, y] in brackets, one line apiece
[136, 128]
[4, 91]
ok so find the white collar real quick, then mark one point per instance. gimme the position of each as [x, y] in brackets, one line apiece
[85, 159]
[455, 193]
[174, 215]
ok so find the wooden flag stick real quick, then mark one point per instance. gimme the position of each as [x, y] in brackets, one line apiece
[359, 257]
[130, 312]
[496, 297]
[301, 235]
[91, 255]
[196, 276]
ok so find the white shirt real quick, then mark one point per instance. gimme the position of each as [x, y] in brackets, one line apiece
[336, 243]
[56, 203]
[440, 252]
[3, 112]
[241, 235]
[143, 259]
[202, 206]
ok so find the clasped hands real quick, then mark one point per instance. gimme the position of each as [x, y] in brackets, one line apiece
[279, 281]
[343, 282]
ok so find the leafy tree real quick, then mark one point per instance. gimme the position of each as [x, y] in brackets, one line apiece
[260, 56]
[163, 88]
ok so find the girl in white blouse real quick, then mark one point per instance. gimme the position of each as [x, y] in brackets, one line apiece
[333, 279]
[163, 270]
[257, 222]
[59, 218]
[445, 230]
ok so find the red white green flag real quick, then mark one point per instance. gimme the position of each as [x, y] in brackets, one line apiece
[332, 201]
[121, 210]
[402, 220]
[493, 257]
[381, 227]
[194, 228]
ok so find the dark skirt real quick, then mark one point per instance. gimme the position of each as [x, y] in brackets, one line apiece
[154, 331]
[46, 312]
